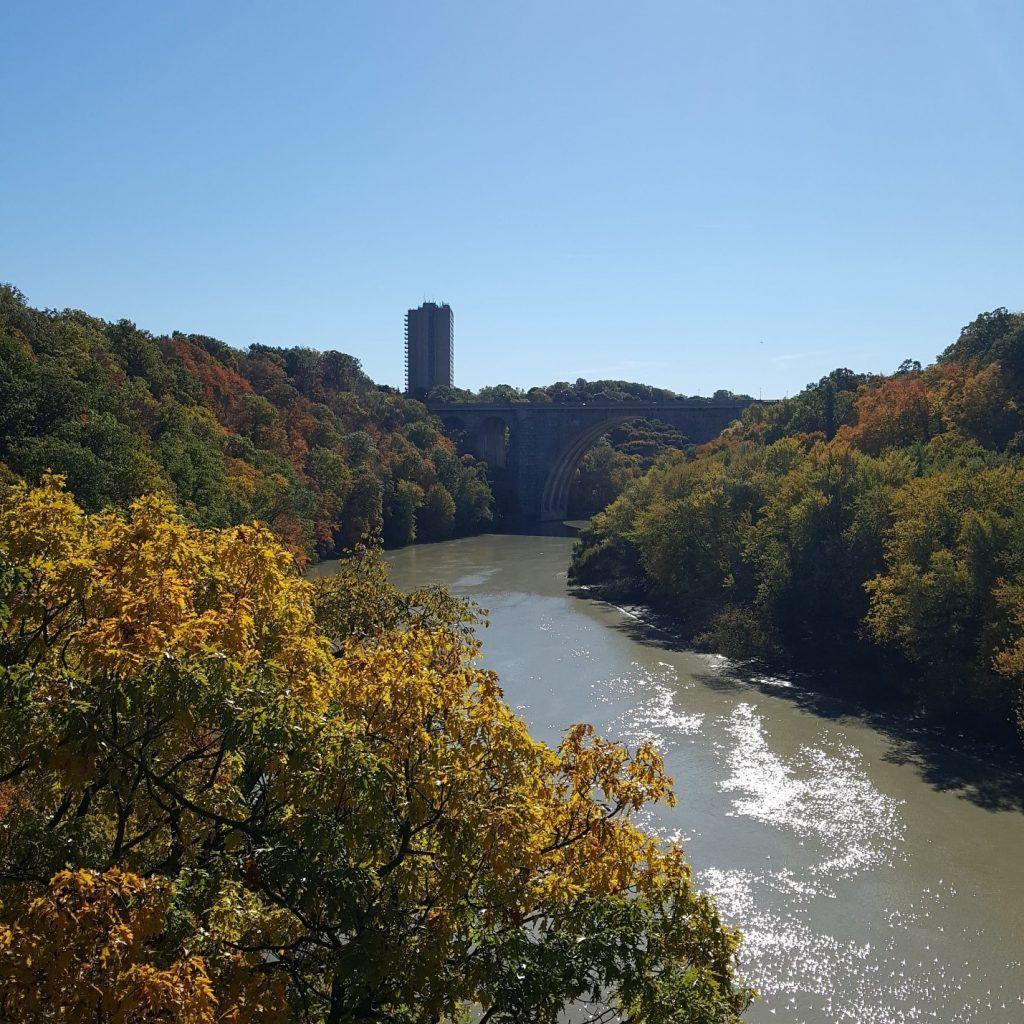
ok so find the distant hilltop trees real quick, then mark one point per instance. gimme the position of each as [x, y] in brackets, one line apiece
[585, 391]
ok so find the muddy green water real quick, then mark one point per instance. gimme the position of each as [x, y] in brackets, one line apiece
[876, 883]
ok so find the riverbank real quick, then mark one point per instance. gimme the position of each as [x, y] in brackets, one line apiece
[859, 672]
[978, 762]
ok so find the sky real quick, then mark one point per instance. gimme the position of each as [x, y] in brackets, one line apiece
[706, 195]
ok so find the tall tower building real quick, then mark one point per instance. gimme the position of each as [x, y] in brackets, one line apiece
[429, 347]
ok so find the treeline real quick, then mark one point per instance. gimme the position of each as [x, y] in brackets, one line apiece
[586, 391]
[300, 439]
[872, 524]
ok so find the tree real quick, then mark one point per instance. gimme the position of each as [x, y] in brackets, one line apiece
[894, 414]
[997, 336]
[281, 434]
[363, 514]
[82, 947]
[600, 476]
[1009, 659]
[400, 517]
[436, 516]
[473, 498]
[626, 452]
[230, 794]
[979, 403]
[907, 367]
[944, 598]
[501, 394]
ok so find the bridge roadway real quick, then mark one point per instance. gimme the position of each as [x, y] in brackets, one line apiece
[534, 448]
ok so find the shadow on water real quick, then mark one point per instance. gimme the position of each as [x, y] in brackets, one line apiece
[990, 776]
[535, 528]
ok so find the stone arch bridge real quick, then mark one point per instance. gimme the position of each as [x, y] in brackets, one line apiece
[535, 448]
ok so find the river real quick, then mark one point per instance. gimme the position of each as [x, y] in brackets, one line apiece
[876, 882]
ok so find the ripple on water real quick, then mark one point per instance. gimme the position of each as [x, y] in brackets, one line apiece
[653, 714]
[473, 579]
[822, 795]
[716, 662]
[815, 976]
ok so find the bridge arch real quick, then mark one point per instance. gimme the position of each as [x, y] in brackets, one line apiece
[492, 441]
[555, 496]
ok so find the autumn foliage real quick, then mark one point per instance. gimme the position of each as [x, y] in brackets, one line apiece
[870, 526]
[299, 439]
[895, 413]
[231, 795]
[83, 947]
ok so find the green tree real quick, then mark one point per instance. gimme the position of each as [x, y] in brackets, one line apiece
[436, 516]
[400, 513]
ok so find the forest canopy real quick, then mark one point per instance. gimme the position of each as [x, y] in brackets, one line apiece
[872, 524]
[300, 439]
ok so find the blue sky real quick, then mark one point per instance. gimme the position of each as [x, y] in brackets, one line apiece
[697, 195]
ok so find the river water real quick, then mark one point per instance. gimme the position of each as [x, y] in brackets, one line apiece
[876, 881]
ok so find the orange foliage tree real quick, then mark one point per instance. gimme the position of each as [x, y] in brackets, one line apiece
[896, 412]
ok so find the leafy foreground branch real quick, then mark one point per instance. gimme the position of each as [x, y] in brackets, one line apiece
[228, 794]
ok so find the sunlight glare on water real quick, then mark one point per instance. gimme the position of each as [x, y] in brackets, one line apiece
[654, 713]
[819, 793]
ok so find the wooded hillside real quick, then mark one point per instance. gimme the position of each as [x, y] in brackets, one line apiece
[871, 525]
[300, 439]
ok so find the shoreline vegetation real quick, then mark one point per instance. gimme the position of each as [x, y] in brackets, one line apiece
[872, 527]
[985, 768]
